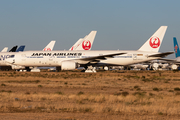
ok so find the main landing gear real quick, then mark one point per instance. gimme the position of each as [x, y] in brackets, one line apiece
[90, 69]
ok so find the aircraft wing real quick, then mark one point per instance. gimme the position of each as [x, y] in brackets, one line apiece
[98, 58]
[170, 61]
[161, 54]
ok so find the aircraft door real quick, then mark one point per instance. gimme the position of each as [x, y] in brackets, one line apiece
[51, 60]
[23, 59]
[134, 56]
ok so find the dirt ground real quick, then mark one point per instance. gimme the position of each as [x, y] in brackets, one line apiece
[105, 95]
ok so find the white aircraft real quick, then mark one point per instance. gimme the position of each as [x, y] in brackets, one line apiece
[5, 55]
[82, 44]
[70, 60]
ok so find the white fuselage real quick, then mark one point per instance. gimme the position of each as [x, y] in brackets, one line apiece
[4, 56]
[55, 58]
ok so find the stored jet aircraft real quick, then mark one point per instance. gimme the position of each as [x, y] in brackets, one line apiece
[81, 44]
[5, 55]
[70, 60]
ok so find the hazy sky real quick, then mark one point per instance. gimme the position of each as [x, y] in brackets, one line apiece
[120, 24]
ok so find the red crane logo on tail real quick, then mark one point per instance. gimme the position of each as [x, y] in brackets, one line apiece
[72, 48]
[176, 47]
[47, 49]
[154, 42]
[86, 45]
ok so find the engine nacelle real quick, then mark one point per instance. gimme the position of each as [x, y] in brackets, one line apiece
[155, 66]
[106, 68]
[174, 67]
[68, 65]
[17, 67]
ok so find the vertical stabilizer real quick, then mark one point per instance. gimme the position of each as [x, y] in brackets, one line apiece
[5, 49]
[21, 48]
[77, 43]
[154, 42]
[50, 46]
[176, 47]
[87, 42]
[13, 49]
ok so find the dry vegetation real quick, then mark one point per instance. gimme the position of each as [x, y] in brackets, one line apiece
[104, 95]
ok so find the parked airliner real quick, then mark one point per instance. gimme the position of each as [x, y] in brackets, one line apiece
[70, 60]
[5, 55]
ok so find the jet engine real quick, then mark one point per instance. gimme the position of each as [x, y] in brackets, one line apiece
[68, 65]
[155, 66]
[174, 67]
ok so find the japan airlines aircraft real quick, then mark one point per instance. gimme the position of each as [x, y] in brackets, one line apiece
[70, 60]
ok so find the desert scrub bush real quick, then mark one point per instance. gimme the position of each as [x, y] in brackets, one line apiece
[147, 80]
[160, 113]
[143, 77]
[140, 93]
[83, 83]
[27, 93]
[170, 91]
[176, 79]
[3, 84]
[60, 93]
[125, 94]
[151, 94]
[8, 91]
[80, 93]
[107, 109]
[37, 81]
[130, 76]
[156, 89]
[137, 87]
[40, 86]
[119, 93]
[177, 89]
